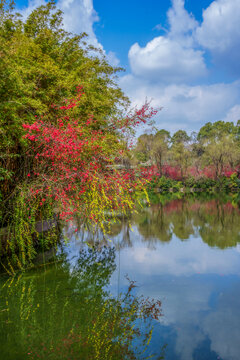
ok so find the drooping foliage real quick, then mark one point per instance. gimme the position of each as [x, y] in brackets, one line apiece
[58, 148]
[40, 65]
[67, 312]
[74, 164]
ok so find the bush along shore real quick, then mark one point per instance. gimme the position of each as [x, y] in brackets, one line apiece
[224, 185]
[64, 123]
[207, 160]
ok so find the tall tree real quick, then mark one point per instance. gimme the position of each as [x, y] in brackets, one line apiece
[160, 148]
[221, 153]
[180, 152]
[180, 137]
[216, 130]
[143, 148]
[40, 65]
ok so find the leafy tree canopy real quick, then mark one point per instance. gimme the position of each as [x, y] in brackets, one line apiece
[180, 137]
[216, 130]
[40, 66]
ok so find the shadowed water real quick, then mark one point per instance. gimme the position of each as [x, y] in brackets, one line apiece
[185, 253]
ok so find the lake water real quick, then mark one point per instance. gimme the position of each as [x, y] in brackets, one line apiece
[185, 253]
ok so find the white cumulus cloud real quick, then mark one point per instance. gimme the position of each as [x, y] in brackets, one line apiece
[166, 60]
[184, 106]
[220, 32]
[181, 22]
[173, 57]
[168, 67]
[79, 16]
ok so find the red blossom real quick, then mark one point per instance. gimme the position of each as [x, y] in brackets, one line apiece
[73, 154]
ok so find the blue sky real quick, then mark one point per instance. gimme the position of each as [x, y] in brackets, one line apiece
[183, 55]
[125, 22]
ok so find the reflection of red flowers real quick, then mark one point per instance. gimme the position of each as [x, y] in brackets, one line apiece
[210, 207]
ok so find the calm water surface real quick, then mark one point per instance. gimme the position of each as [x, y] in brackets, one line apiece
[185, 253]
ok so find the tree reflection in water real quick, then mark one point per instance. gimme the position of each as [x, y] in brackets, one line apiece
[216, 222]
[68, 313]
[63, 311]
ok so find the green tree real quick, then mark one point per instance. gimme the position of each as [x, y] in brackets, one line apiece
[40, 65]
[216, 131]
[180, 151]
[180, 137]
[143, 148]
[220, 153]
[160, 148]
[181, 157]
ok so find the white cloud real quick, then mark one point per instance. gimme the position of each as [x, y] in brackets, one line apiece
[220, 29]
[79, 16]
[166, 60]
[164, 69]
[170, 58]
[220, 32]
[184, 106]
[233, 114]
[181, 22]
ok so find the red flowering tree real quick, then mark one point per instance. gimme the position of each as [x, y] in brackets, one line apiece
[73, 163]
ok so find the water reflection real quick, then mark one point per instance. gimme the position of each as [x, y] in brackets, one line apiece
[187, 254]
[66, 312]
[216, 222]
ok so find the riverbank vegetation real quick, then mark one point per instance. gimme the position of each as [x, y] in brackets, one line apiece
[65, 138]
[208, 160]
[63, 126]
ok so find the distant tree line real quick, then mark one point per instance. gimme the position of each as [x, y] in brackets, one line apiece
[213, 151]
